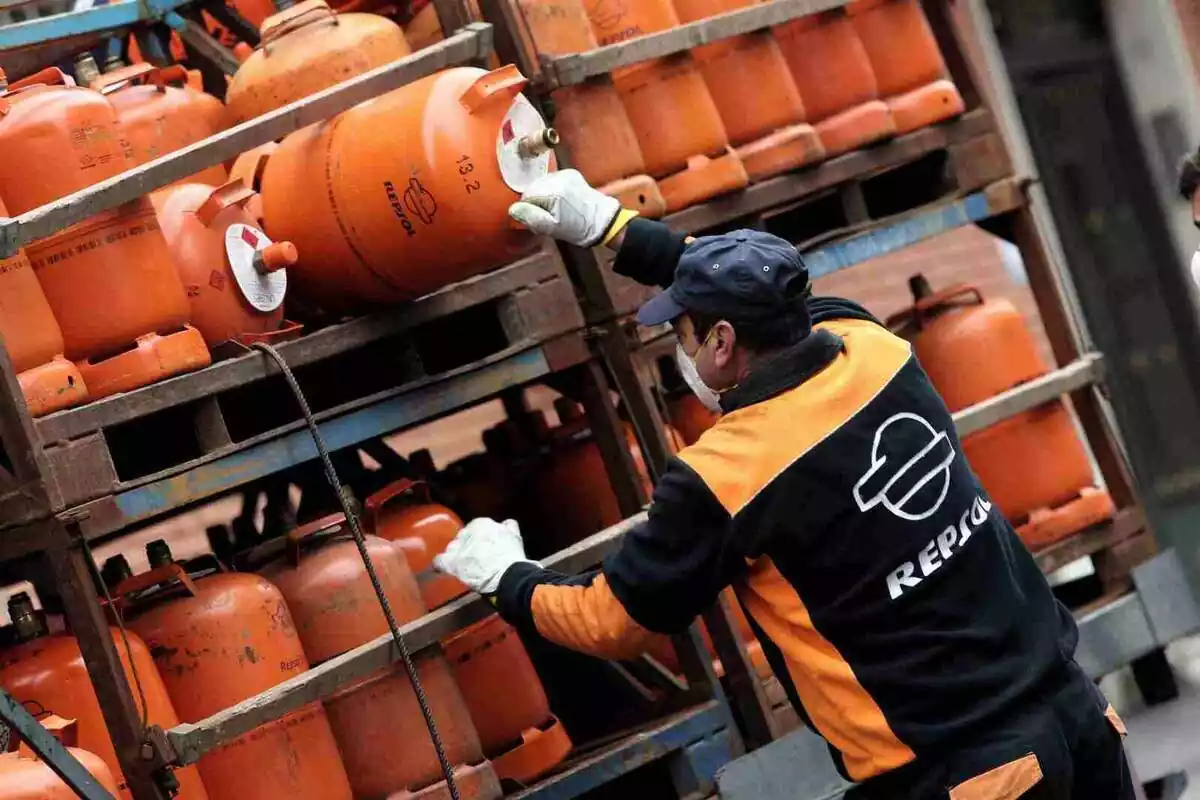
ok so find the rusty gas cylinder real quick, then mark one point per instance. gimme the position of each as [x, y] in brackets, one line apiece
[404, 514]
[377, 721]
[220, 639]
[235, 276]
[23, 776]
[49, 671]
[109, 279]
[836, 81]
[34, 341]
[502, 690]
[1033, 465]
[409, 192]
[766, 125]
[160, 113]
[307, 48]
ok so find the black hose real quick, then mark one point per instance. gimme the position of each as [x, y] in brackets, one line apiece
[356, 530]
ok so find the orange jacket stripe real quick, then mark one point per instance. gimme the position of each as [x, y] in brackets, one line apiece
[589, 619]
[840, 708]
[750, 447]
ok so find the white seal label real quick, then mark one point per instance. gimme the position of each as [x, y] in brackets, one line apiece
[521, 120]
[263, 292]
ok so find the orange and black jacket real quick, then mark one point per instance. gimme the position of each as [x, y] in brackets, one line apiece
[894, 602]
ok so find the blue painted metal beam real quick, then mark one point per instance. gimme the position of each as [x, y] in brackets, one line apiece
[89, 21]
[926, 225]
[704, 722]
[394, 413]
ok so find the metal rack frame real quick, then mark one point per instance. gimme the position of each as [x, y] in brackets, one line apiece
[36, 520]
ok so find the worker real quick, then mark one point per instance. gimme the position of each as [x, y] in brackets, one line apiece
[905, 619]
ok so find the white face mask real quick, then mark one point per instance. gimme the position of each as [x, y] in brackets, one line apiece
[687, 368]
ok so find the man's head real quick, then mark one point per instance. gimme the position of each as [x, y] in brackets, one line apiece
[735, 297]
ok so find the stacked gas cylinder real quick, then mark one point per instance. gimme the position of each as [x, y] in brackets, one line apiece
[670, 132]
[202, 638]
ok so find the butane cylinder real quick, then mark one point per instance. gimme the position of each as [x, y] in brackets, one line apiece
[218, 640]
[23, 776]
[49, 671]
[499, 684]
[590, 116]
[307, 48]
[678, 126]
[34, 341]
[755, 94]
[836, 81]
[409, 192]
[160, 113]
[908, 63]
[109, 279]
[377, 721]
[1033, 465]
[235, 276]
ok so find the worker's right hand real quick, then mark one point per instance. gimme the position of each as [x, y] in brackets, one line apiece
[564, 206]
[481, 552]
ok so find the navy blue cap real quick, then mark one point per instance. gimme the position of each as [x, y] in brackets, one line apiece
[743, 276]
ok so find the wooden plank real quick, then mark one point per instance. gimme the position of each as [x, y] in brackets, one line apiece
[192, 740]
[578, 67]
[1086, 371]
[745, 689]
[345, 425]
[316, 346]
[858, 164]
[471, 42]
[892, 235]
[1124, 525]
[81, 469]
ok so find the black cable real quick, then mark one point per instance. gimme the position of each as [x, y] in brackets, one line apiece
[356, 530]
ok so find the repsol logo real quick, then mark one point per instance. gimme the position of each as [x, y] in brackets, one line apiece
[939, 551]
[398, 208]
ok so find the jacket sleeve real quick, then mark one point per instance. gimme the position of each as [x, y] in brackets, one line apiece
[649, 253]
[667, 571]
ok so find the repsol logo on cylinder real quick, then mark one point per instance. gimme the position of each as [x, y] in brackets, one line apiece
[398, 208]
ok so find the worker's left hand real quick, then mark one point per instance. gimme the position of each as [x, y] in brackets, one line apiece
[481, 552]
[563, 205]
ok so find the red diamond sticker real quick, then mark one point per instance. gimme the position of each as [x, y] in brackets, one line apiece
[249, 238]
[506, 133]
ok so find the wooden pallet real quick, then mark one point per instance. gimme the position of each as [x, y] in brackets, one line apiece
[852, 194]
[479, 333]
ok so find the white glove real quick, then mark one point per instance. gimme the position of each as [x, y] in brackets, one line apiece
[564, 206]
[481, 552]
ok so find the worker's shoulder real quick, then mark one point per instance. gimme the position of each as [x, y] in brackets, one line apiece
[750, 447]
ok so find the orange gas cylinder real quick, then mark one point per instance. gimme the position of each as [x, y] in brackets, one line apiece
[589, 117]
[404, 513]
[25, 777]
[218, 640]
[249, 168]
[377, 721]
[836, 81]
[49, 670]
[234, 274]
[507, 701]
[766, 126]
[34, 341]
[497, 679]
[1032, 465]
[409, 192]
[908, 63]
[307, 48]
[677, 124]
[160, 113]
[424, 29]
[109, 278]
